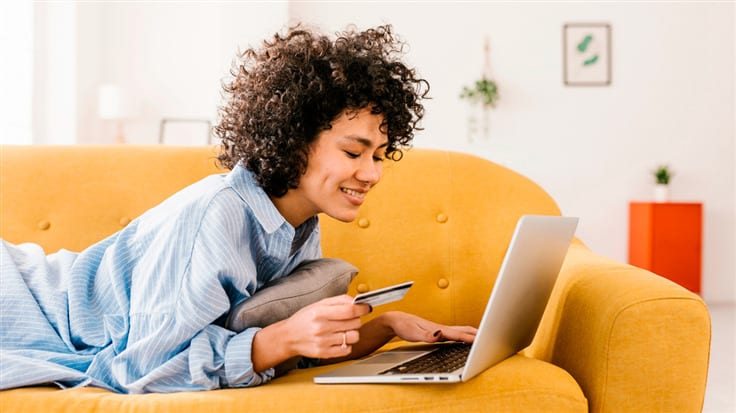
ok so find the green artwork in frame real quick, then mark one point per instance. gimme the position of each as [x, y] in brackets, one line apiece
[586, 54]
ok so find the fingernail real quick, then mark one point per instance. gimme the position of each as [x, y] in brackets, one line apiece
[437, 333]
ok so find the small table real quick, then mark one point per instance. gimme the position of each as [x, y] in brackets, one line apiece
[666, 238]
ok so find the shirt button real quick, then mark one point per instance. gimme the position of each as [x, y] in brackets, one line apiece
[363, 223]
[124, 221]
[443, 283]
[362, 288]
[44, 225]
[441, 218]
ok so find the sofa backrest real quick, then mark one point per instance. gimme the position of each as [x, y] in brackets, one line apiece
[73, 196]
[442, 219]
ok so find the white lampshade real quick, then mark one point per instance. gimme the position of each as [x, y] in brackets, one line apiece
[109, 103]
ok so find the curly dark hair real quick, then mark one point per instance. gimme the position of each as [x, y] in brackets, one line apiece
[284, 94]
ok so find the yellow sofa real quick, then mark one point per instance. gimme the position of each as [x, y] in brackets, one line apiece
[614, 338]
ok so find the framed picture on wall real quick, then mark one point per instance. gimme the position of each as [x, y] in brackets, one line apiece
[586, 49]
[185, 132]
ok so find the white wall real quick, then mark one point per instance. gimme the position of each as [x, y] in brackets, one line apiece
[671, 101]
[16, 81]
[54, 82]
[672, 98]
[167, 58]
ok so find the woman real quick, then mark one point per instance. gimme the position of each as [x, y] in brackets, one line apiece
[305, 127]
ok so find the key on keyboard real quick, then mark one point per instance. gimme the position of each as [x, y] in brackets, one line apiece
[443, 360]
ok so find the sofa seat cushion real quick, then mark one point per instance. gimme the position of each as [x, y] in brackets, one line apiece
[514, 385]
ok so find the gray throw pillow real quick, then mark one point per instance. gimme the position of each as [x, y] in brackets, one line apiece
[310, 282]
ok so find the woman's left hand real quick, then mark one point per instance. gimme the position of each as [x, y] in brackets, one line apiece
[412, 328]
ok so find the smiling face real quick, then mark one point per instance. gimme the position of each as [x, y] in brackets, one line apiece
[344, 164]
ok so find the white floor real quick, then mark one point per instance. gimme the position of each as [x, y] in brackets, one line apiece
[720, 393]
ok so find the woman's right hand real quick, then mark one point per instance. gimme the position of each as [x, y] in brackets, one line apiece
[320, 329]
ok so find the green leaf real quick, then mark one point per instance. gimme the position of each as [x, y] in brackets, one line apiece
[662, 174]
[483, 91]
[583, 45]
[590, 61]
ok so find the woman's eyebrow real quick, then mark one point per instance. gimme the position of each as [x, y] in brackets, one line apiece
[364, 141]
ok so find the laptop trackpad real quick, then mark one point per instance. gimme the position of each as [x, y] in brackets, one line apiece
[391, 357]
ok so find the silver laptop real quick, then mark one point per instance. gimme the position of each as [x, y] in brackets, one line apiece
[514, 310]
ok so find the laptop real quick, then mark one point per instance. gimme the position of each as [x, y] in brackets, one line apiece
[510, 321]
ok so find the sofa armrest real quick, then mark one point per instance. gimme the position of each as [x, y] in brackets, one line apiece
[634, 341]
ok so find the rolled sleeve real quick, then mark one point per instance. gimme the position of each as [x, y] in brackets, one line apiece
[239, 362]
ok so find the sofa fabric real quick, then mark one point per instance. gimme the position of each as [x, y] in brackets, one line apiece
[614, 338]
[518, 384]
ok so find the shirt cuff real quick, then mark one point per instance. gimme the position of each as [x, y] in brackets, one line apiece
[239, 363]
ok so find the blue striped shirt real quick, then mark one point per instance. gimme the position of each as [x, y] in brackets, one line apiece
[139, 311]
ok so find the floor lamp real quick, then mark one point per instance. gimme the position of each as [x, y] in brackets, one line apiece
[109, 107]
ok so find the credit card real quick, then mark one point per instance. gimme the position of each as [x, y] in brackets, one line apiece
[384, 295]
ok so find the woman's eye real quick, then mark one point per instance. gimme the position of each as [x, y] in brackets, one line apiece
[378, 158]
[352, 155]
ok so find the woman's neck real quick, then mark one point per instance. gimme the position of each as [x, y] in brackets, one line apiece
[293, 208]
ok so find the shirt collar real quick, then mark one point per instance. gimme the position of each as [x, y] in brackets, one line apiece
[244, 183]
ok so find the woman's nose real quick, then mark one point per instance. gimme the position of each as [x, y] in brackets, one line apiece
[369, 171]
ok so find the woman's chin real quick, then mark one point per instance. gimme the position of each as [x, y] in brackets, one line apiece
[344, 216]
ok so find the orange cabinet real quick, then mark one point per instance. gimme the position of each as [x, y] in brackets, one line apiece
[666, 238]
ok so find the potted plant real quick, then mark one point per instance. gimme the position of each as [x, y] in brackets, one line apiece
[662, 176]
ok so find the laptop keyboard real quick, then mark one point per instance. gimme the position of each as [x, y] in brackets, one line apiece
[446, 359]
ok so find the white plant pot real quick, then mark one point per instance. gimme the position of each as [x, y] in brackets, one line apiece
[662, 193]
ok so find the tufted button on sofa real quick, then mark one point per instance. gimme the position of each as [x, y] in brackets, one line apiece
[614, 338]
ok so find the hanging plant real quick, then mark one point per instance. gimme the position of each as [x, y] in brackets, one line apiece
[483, 91]
[482, 96]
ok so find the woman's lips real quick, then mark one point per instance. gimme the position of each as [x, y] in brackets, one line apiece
[355, 197]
